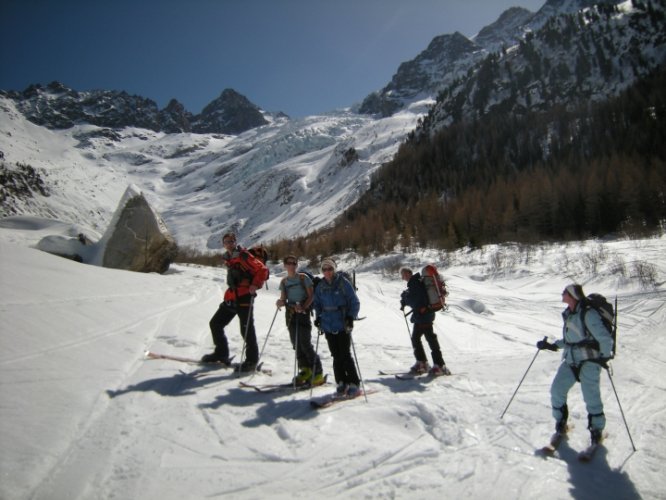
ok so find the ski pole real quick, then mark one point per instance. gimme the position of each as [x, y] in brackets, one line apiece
[621, 410]
[313, 367]
[261, 354]
[358, 368]
[267, 335]
[295, 352]
[409, 333]
[521, 380]
[247, 328]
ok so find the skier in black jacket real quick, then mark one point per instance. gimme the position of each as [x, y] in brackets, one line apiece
[423, 317]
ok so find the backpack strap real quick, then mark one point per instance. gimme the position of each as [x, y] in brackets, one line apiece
[589, 340]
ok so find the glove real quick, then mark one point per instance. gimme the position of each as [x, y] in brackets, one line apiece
[317, 322]
[544, 344]
[402, 306]
[349, 324]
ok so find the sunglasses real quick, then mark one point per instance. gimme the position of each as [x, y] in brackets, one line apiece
[229, 242]
[324, 269]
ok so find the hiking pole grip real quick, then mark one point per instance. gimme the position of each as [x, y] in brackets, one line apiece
[545, 338]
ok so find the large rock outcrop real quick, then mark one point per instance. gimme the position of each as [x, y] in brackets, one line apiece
[137, 238]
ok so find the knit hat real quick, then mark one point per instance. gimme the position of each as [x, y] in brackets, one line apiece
[576, 291]
[328, 263]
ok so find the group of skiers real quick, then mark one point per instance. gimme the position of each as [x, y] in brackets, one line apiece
[334, 302]
[587, 344]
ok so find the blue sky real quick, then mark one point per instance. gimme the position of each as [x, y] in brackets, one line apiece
[301, 57]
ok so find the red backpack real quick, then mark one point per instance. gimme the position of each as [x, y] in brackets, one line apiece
[435, 286]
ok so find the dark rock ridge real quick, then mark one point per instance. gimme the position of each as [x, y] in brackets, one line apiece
[451, 57]
[57, 106]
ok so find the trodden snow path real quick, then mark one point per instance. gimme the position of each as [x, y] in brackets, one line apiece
[84, 415]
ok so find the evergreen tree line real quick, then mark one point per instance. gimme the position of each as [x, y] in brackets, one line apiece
[555, 175]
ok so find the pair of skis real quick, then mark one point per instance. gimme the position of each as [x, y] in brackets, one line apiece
[402, 375]
[210, 364]
[287, 387]
[315, 404]
[333, 399]
[321, 403]
[550, 449]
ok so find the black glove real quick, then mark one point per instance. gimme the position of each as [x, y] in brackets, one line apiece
[317, 322]
[349, 324]
[402, 306]
[544, 344]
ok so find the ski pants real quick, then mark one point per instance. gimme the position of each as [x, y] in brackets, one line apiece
[225, 313]
[425, 330]
[344, 368]
[589, 376]
[300, 333]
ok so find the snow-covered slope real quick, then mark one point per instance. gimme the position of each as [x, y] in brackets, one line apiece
[279, 180]
[83, 416]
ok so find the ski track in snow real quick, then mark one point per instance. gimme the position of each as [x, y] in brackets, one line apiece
[120, 426]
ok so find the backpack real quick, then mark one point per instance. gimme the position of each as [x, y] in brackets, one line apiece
[315, 279]
[350, 277]
[259, 252]
[607, 313]
[435, 287]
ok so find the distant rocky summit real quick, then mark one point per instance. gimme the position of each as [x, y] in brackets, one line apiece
[57, 106]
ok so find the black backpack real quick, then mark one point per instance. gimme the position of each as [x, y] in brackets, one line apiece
[606, 311]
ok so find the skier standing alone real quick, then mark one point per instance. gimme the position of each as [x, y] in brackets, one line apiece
[423, 317]
[245, 275]
[587, 346]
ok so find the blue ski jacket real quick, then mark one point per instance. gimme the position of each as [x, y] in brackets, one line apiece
[334, 302]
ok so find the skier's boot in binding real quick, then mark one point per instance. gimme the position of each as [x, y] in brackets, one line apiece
[419, 368]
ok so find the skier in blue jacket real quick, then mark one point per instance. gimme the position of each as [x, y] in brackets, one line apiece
[587, 347]
[336, 307]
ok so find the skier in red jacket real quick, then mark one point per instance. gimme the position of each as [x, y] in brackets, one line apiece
[245, 275]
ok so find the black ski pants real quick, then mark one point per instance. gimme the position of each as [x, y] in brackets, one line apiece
[300, 333]
[425, 330]
[225, 313]
[344, 367]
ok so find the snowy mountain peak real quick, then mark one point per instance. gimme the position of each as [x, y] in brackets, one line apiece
[231, 113]
[506, 31]
[448, 57]
[57, 106]
[445, 58]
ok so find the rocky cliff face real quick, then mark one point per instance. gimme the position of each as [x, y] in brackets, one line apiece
[449, 58]
[441, 62]
[59, 107]
[231, 113]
